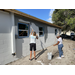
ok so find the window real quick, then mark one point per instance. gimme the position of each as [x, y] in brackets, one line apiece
[23, 30]
[55, 31]
[41, 31]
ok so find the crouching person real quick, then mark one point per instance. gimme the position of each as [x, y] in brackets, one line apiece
[60, 46]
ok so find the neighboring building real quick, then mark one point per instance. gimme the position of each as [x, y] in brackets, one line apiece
[14, 34]
[68, 33]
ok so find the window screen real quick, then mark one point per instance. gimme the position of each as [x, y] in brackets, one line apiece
[41, 31]
[55, 31]
[23, 29]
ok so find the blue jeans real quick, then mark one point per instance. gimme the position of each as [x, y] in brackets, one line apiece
[60, 49]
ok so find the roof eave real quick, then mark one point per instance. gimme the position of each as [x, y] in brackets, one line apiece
[30, 17]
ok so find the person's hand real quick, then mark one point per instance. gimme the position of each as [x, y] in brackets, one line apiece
[54, 45]
[36, 35]
[32, 30]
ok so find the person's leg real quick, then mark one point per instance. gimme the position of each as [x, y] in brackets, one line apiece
[59, 48]
[30, 54]
[34, 55]
[34, 51]
[62, 52]
[30, 51]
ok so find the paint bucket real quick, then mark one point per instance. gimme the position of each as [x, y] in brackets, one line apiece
[49, 55]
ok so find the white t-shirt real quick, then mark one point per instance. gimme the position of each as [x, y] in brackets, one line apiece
[60, 40]
[32, 39]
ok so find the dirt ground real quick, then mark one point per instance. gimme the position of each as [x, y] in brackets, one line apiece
[42, 57]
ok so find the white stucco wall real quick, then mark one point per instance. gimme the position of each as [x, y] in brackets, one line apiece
[23, 47]
[5, 38]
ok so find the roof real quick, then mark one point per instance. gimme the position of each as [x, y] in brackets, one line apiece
[30, 17]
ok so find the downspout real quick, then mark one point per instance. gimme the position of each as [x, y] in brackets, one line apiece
[13, 35]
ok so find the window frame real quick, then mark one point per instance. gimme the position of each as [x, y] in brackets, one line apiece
[56, 32]
[23, 30]
[41, 31]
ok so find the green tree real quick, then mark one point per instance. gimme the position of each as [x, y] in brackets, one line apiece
[64, 18]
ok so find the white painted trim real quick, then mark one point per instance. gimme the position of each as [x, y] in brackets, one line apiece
[22, 30]
[13, 34]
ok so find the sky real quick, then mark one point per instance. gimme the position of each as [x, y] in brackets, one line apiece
[44, 14]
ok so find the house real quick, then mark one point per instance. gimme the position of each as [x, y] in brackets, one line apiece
[14, 34]
[68, 32]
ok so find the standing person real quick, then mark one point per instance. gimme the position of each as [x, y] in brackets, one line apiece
[33, 37]
[60, 46]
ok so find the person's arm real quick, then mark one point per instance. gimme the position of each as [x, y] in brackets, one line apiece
[31, 32]
[36, 36]
[56, 43]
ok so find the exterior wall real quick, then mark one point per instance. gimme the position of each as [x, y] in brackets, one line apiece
[9, 43]
[22, 44]
[5, 38]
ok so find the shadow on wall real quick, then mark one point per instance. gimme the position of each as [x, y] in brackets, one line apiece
[46, 34]
[35, 27]
[19, 48]
[42, 45]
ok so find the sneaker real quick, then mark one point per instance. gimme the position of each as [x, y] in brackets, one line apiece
[58, 57]
[62, 56]
[35, 58]
[30, 59]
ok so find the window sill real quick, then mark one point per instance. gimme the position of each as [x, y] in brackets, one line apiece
[20, 37]
[41, 35]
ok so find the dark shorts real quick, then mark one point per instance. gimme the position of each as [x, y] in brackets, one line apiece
[32, 46]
